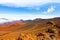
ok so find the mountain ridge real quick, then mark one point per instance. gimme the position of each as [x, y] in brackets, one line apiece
[34, 30]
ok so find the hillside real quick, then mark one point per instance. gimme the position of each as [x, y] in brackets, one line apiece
[11, 26]
[37, 29]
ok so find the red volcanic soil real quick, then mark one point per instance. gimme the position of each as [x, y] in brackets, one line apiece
[12, 26]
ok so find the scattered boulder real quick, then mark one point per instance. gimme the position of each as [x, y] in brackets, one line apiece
[49, 30]
[40, 34]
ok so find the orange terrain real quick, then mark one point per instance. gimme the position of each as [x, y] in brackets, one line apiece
[12, 26]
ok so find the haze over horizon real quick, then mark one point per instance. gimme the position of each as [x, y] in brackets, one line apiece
[29, 9]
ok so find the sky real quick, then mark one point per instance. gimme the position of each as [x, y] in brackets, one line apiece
[29, 9]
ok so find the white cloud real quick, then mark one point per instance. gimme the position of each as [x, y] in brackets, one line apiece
[19, 16]
[24, 16]
[26, 3]
[50, 10]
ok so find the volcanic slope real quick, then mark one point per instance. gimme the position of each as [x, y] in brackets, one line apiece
[38, 29]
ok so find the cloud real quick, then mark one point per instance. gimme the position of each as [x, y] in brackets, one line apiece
[50, 10]
[25, 3]
[24, 16]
